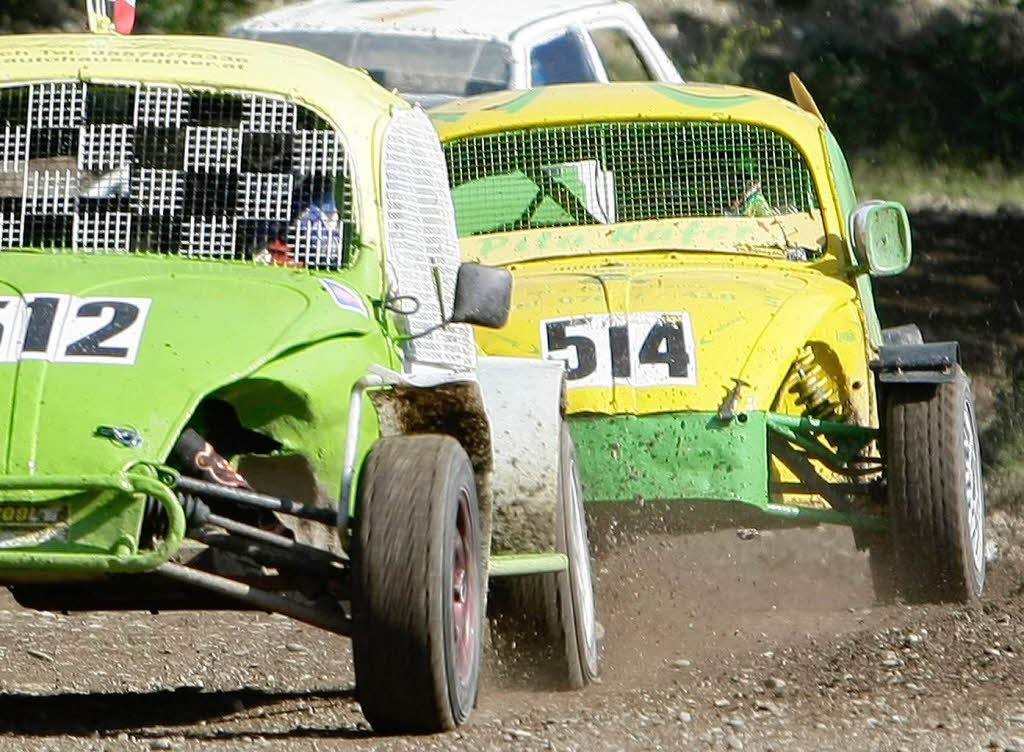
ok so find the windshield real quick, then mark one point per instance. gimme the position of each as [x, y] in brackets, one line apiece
[611, 173]
[411, 64]
[152, 168]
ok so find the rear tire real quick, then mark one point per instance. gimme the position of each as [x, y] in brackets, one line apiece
[575, 586]
[417, 586]
[558, 608]
[935, 489]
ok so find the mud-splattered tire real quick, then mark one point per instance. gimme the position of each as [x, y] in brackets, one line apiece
[935, 491]
[558, 608]
[417, 586]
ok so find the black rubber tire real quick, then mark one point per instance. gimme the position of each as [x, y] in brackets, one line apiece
[415, 493]
[935, 490]
[557, 608]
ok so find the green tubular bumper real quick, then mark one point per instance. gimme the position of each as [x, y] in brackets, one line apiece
[696, 456]
[99, 516]
[509, 565]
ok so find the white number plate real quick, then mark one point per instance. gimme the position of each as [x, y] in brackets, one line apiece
[636, 349]
[66, 329]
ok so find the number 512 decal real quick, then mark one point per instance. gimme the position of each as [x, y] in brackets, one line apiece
[639, 349]
[66, 329]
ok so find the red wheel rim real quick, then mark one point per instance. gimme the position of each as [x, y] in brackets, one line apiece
[464, 591]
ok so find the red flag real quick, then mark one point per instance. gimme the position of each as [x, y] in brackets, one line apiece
[124, 16]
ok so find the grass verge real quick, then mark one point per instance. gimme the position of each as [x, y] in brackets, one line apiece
[982, 189]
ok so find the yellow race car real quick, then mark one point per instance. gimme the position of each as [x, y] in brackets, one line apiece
[696, 256]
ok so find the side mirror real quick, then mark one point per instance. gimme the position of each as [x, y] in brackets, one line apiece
[483, 296]
[880, 233]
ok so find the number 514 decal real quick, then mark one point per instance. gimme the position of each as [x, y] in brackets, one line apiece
[66, 329]
[639, 349]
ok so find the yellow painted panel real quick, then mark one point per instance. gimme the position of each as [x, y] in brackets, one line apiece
[749, 319]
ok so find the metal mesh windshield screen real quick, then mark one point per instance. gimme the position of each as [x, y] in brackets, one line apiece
[602, 173]
[137, 168]
[422, 247]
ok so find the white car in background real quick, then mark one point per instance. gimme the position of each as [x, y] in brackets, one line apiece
[435, 51]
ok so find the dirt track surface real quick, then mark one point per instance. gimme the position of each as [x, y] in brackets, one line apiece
[712, 642]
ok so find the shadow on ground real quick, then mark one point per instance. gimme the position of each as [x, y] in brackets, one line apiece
[158, 713]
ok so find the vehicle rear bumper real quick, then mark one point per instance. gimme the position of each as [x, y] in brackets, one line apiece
[666, 456]
[698, 457]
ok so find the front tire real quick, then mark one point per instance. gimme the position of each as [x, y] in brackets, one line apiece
[935, 489]
[417, 586]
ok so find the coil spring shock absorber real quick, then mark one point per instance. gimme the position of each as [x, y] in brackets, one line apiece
[816, 392]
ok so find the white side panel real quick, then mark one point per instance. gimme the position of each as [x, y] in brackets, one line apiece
[523, 399]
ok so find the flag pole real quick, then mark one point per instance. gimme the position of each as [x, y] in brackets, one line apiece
[92, 16]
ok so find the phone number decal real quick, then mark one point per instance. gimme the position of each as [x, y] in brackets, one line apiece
[637, 349]
[66, 329]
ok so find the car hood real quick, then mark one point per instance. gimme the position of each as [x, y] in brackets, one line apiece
[667, 335]
[69, 365]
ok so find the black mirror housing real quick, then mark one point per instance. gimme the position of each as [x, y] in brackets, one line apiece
[483, 296]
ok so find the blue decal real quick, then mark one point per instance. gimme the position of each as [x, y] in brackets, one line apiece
[345, 297]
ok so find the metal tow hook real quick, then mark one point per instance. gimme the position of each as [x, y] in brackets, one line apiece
[728, 409]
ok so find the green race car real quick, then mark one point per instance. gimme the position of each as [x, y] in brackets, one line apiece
[235, 373]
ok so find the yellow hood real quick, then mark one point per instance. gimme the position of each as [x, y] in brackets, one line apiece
[645, 334]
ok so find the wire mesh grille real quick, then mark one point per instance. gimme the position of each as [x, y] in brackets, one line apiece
[422, 247]
[139, 168]
[623, 172]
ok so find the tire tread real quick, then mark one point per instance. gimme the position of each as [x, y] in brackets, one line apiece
[927, 489]
[398, 573]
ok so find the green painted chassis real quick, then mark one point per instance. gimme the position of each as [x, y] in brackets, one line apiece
[104, 515]
[699, 456]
